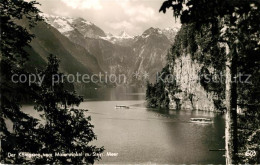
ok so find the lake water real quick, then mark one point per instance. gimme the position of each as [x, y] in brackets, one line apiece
[143, 135]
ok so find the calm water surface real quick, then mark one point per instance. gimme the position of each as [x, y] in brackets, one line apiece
[142, 135]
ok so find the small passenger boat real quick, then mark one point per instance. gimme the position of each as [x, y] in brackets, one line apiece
[121, 106]
[201, 120]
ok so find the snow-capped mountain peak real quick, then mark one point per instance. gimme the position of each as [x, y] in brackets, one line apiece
[120, 39]
[68, 25]
[60, 23]
[176, 29]
[123, 34]
[151, 31]
[79, 26]
[83, 21]
[170, 33]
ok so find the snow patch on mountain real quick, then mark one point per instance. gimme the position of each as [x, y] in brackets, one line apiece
[68, 25]
[63, 26]
[60, 23]
[122, 38]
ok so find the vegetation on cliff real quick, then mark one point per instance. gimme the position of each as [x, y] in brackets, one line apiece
[229, 40]
[203, 50]
[156, 95]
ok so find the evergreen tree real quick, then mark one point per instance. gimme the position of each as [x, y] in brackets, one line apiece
[65, 130]
[157, 93]
[19, 136]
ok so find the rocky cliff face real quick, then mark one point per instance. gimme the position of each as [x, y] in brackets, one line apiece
[191, 77]
[191, 94]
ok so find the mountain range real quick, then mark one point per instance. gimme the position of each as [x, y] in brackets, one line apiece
[84, 47]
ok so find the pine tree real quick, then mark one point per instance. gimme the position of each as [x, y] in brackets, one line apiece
[19, 136]
[66, 129]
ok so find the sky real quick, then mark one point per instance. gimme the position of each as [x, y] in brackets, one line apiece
[114, 16]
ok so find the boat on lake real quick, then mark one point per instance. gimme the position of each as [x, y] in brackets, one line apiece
[201, 120]
[122, 107]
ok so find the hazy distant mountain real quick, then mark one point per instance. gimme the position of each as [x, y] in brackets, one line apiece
[122, 53]
[150, 50]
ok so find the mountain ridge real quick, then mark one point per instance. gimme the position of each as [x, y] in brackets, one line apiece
[122, 53]
[58, 22]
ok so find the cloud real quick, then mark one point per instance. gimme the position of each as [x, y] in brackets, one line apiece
[121, 25]
[83, 4]
[133, 16]
[137, 11]
[142, 14]
[61, 12]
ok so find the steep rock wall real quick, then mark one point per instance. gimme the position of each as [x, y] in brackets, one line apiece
[194, 61]
[191, 94]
